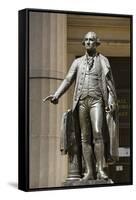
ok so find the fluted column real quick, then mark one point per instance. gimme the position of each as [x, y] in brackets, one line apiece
[48, 50]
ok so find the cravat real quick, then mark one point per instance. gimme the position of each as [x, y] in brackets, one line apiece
[90, 62]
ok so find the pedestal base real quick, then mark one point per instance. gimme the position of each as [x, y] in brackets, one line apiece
[87, 182]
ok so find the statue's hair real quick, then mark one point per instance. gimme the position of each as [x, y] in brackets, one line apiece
[94, 36]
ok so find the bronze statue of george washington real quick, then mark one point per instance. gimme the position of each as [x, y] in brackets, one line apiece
[95, 103]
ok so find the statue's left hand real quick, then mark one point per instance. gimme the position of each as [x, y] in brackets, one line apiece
[111, 108]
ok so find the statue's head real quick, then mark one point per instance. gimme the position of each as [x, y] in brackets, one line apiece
[91, 40]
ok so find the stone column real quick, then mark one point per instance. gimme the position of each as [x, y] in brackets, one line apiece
[48, 50]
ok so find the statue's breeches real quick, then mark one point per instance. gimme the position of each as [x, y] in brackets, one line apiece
[91, 111]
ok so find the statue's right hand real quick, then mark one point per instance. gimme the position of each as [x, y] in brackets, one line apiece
[52, 98]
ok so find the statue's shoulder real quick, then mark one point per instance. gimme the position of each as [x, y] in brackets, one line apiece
[104, 59]
[80, 59]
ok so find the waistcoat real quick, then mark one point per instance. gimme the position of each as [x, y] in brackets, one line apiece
[91, 83]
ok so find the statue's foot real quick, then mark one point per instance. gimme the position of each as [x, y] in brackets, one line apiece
[88, 176]
[102, 175]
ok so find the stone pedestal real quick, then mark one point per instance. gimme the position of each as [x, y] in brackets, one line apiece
[87, 182]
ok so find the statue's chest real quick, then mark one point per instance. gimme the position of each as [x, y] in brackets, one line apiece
[85, 70]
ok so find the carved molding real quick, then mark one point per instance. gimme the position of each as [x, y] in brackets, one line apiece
[103, 41]
[101, 21]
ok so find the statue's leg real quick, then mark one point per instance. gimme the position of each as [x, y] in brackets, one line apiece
[96, 114]
[86, 147]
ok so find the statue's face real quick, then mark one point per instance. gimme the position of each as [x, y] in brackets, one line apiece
[89, 41]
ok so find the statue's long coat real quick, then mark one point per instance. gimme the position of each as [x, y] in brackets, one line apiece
[106, 83]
